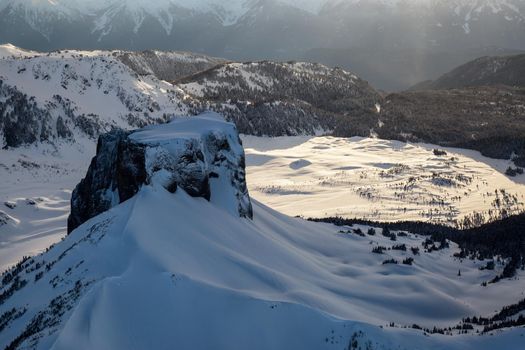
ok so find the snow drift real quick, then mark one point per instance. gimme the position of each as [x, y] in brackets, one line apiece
[165, 270]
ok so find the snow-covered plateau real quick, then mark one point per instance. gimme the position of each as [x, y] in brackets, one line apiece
[165, 269]
[312, 177]
[381, 180]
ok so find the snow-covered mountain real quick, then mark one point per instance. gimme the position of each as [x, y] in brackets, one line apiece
[165, 269]
[68, 94]
[282, 98]
[64, 95]
[279, 29]
[102, 23]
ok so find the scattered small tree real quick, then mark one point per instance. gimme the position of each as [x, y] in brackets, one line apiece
[408, 261]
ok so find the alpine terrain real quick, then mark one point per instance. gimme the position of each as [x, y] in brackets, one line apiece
[155, 271]
[262, 174]
[415, 39]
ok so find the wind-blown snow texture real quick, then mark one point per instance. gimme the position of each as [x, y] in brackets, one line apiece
[381, 180]
[166, 269]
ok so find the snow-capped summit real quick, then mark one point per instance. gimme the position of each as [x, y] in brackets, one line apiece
[201, 155]
[105, 18]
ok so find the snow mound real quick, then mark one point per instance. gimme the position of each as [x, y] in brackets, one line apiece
[164, 269]
[9, 50]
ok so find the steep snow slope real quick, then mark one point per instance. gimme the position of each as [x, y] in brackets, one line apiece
[74, 93]
[164, 269]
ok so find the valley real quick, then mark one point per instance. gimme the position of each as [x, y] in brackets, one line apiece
[380, 180]
[311, 177]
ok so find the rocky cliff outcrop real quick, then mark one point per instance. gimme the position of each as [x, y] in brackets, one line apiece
[201, 155]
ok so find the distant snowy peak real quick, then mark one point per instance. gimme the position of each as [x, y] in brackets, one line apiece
[458, 6]
[100, 19]
[471, 10]
[9, 50]
[166, 12]
[444, 14]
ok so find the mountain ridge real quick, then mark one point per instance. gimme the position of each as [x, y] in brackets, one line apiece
[283, 30]
[151, 272]
[484, 71]
[85, 93]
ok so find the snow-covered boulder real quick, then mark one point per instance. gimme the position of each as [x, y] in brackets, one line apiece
[202, 155]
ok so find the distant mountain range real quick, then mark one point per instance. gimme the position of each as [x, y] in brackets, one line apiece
[69, 95]
[280, 29]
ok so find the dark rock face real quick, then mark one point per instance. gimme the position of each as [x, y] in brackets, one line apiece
[123, 165]
[99, 190]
